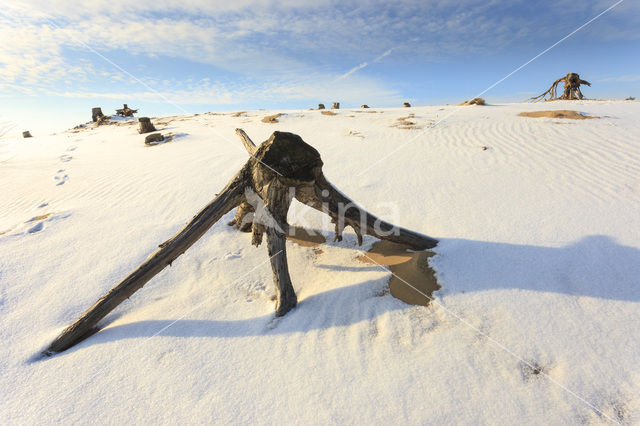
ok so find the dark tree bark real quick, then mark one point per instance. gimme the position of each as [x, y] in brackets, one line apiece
[571, 89]
[282, 167]
[96, 113]
[145, 125]
[336, 105]
[125, 111]
[26, 134]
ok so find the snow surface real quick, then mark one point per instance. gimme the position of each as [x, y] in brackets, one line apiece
[539, 263]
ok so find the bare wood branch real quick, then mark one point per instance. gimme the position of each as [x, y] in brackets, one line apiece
[230, 197]
[247, 142]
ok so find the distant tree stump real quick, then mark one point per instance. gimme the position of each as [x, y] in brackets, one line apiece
[320, 106]
[26, 134]
[336, 105]
[153, 138]
[96, 113]
[145, 125]
[103, 119]
[364, 106]
[406, 105]
[125, 111]
[571, 90]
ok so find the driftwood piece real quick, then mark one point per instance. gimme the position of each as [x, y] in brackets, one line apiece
[571, 90]
[145, 125]
[26, 134]
[282, 167]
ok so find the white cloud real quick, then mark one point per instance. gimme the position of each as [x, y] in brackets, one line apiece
[629, 78]
[303, 44]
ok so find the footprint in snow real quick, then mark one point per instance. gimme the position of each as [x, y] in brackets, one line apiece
[36, 228]
[65, 158]
[61, 178]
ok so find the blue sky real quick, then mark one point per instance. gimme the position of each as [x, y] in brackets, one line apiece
[166, 57]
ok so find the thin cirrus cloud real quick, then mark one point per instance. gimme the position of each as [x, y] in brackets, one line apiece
[291, 48]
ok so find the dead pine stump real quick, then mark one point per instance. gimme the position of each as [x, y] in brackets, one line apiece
[145, 125]
[281, 168]
[571, 89]
[153, 138]
[335, 105]
[125, 111]
[26, 134]
[320, 106]
[406, 105]
[96, 113]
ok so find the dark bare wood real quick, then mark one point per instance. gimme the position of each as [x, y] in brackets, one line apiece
[145, 125]
[96, 113]
[247, 142]
[26, 134]
[572, 82]
[125, 111]
[170, 250]
[281, 168]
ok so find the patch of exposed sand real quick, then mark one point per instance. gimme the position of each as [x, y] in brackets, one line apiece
[39, 218]
[407, 267]
[474, 101]
[272, 118]
[557, 113]
[406, 123]
[305, 238]
[326, 112]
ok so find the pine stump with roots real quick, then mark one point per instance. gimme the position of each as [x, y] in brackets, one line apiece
[571, 90]
[281, 168]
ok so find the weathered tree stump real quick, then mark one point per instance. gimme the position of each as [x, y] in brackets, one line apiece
[153, 138]
[281, 168]
[336, 105]
[103, 119]
[145, 125]
[406, 105]
[320, 106]
[571, 90]
[364, 106]
[125, 111]
[96, 113]
[26, 134]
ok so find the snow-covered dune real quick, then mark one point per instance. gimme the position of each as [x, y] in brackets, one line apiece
[539, 261]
